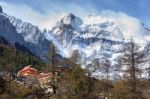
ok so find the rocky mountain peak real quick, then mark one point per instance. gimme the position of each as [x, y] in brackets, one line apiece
[69, 16]
[72, 16]
[94, 37]
[71, 19]
[1, 10]
[67, 19]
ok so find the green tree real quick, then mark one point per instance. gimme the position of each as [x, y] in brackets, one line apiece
[53, 67]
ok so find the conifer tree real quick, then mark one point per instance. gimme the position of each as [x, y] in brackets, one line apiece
[77, 78]
[53, 68]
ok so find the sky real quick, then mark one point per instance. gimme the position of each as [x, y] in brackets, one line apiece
[44, 13]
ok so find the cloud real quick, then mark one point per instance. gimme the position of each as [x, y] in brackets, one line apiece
[130, 26]
[27, 14]
[53, 12]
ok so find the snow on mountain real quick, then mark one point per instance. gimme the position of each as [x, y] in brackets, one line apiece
[17, 31]
[96, 37]
[95, 33]
[8, 31]
[30, 32]
[34, 38]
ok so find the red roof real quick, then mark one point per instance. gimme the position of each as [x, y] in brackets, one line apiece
[28, 71]
[28, 68]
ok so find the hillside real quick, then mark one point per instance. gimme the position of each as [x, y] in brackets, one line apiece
[13, 58]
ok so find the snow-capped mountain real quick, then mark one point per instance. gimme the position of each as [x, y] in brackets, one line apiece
[92, 36]
[33, 36]
[8, 31]
[95, 37]
[15, 30]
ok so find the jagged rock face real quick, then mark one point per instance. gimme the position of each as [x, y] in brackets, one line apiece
[1, 10]
[8, 31]
[33, 36]
[30, 32]
[91, 39]
[66, 28]
[16, 31]
[92, 35]
[95, 37]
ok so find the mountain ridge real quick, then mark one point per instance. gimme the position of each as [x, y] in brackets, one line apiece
[94, 37]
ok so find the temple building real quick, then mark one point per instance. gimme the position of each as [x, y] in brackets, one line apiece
[28, 71]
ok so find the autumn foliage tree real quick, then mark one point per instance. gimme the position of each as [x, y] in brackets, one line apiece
[131, 60]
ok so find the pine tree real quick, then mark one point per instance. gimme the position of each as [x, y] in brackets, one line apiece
[78, 85]
[53, 62]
